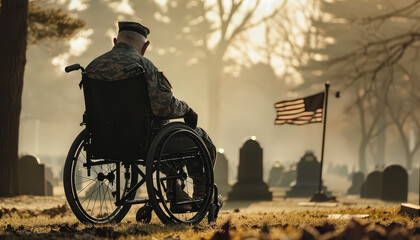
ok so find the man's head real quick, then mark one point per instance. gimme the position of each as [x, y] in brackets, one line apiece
[133, 34]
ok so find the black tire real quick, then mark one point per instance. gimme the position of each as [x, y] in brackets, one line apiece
[164, 158]
[79, 187]
[213, 212]
[144, 214]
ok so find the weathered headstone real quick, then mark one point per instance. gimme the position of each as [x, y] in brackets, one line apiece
[394, 184]
[373, 185]
[250, 184]
[288, 177]
[357, 180]
[31, 176]
[49, 176]
[276, 175]
[221, 174]
[363, 190]
[48, 188]
[307, 177]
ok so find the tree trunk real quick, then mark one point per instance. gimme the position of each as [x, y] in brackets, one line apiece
[381, 139]
[409, 159]
[362, 155]
[13, 31]
[215, 78]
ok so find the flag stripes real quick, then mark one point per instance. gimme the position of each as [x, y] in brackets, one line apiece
[300, 111]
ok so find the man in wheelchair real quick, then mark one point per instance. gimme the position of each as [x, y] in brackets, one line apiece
[126, 60]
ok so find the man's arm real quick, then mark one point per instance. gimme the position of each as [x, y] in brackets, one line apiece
[162, 101]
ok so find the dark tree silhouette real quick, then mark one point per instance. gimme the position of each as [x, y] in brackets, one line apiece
[13, 29]
[43, 24]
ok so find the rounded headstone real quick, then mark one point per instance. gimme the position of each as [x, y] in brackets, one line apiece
[307, 177]
[288, 178]
[394, 184]
[29, 160]
[373, 185]
[221, 173]
[250, 184]
[250, 162]
[276, 174]
[308, 169]
[357, 180]
[31, 175]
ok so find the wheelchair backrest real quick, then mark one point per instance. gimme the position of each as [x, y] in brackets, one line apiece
[117, 118]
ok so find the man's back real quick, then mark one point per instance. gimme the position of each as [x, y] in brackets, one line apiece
[110, 66]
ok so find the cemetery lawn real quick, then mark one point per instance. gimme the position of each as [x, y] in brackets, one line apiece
[31, 217]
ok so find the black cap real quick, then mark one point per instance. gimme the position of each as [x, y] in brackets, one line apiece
[133, 26]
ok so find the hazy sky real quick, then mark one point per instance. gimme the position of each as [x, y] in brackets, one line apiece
[246, 110]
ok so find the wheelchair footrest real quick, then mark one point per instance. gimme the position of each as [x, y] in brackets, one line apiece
[135, 201]
[186, 206]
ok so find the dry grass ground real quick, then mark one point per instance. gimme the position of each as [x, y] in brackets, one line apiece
[30, 217]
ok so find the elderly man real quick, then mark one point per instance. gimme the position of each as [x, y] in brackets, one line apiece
[129, 48]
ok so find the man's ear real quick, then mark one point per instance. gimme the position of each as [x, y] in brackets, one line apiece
[143, 49]
[115, 41]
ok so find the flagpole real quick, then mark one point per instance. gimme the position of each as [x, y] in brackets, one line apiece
[320, 196]
[327, 86]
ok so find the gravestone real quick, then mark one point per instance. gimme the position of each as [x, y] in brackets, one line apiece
[276, 174]
[48, 188]
[49, 176]
[357, 180]
[307, 177]
[394, 184]
[363, 190]
[373, 185]
[250, 184]
[288, 178]
[221, 174]
[31, 175]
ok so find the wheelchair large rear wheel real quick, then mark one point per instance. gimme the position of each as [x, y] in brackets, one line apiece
[179, 175]
[92, 196]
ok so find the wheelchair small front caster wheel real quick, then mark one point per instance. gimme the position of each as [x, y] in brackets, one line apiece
[144, 214]
[213, 213]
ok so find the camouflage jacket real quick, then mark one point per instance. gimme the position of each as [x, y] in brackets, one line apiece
[110, 65]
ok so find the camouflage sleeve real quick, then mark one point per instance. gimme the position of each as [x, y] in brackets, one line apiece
[162, 101]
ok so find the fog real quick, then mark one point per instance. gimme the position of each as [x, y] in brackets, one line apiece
[251, 82]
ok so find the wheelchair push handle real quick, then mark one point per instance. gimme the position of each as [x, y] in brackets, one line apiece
[73, 67]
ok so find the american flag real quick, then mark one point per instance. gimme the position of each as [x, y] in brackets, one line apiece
[300, 111]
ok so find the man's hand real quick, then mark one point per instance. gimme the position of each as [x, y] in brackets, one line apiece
[190, 118]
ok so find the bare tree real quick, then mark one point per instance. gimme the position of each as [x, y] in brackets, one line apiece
[405, 115]
[370, 108]
[229, 31]
[385, 63]
[295, 43]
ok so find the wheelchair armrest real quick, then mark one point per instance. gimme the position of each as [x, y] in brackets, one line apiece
[166, 118]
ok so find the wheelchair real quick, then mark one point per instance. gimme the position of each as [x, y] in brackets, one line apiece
[121, 149]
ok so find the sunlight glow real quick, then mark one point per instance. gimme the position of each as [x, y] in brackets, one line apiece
[158, 16]
[80, 42]
[161, 2]
[78, 5]
[123, 7]
[77, 46]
